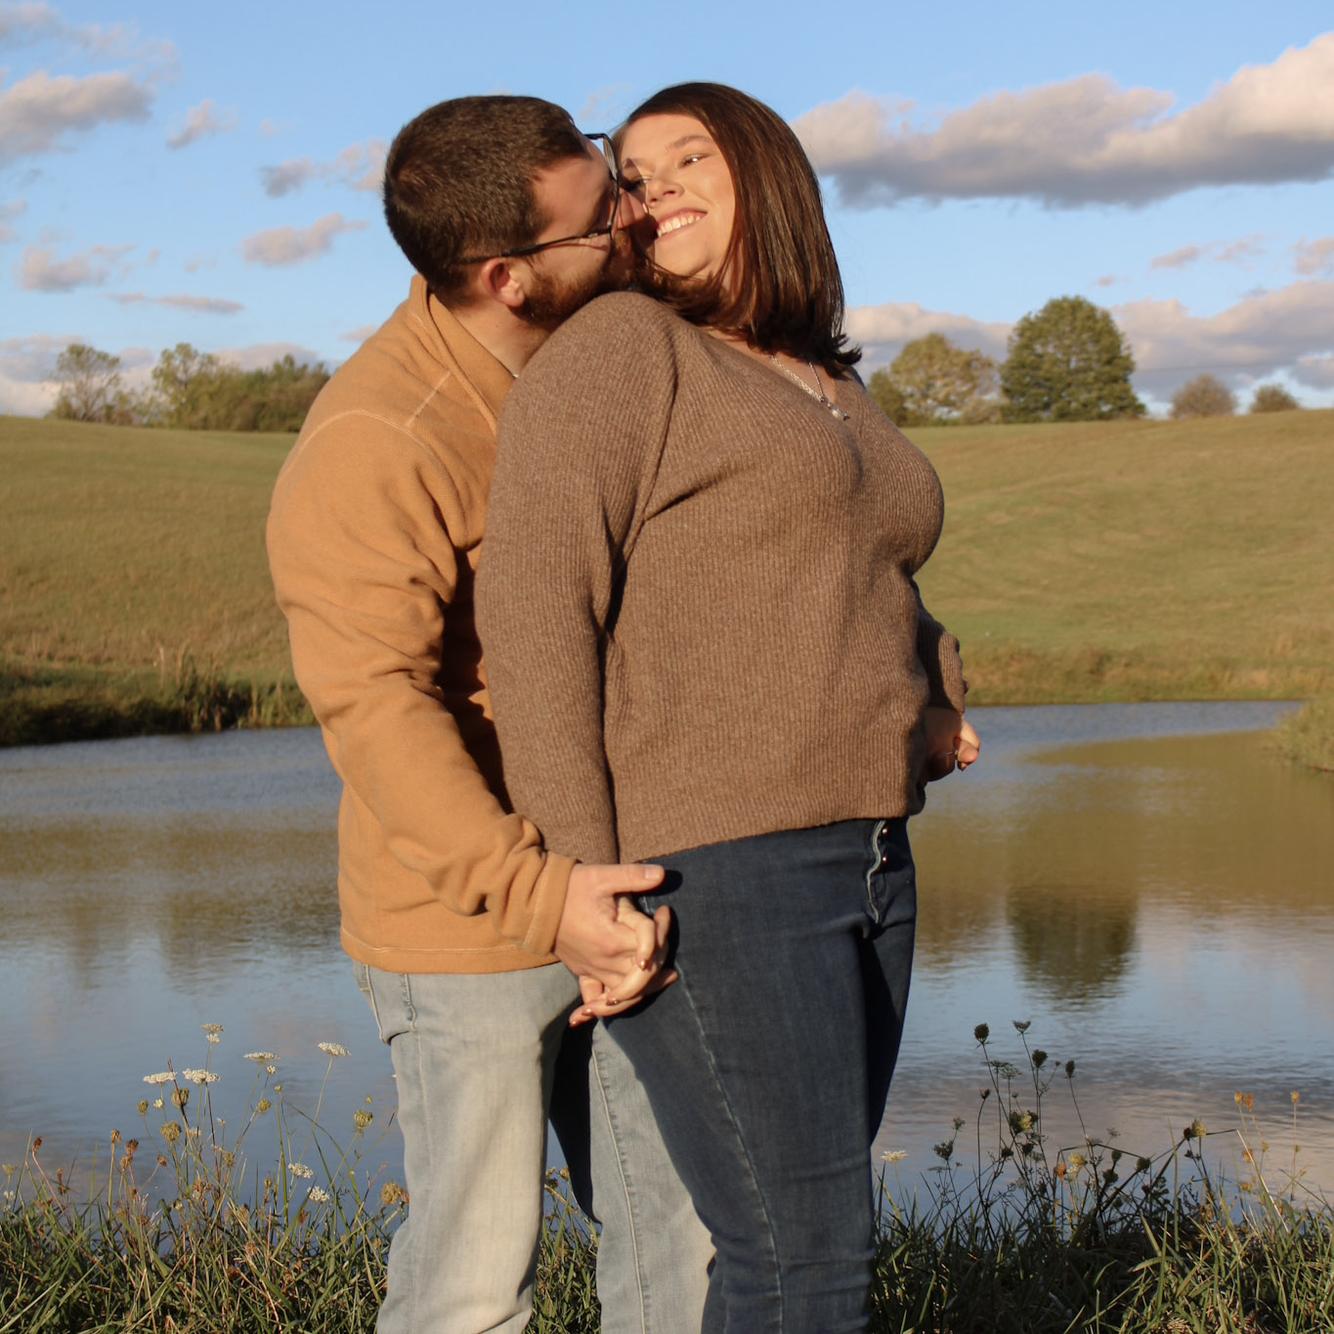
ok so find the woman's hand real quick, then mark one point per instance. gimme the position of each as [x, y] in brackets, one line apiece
[602, 1002]
[951, 742]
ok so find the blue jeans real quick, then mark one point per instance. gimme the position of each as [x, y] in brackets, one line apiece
[769, 1062]
[479, 1062]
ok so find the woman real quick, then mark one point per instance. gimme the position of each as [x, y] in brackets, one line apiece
[705, 647]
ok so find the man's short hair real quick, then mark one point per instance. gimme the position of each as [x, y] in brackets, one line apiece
[459, 180]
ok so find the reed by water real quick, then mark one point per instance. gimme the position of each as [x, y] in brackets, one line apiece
[1008, 1232]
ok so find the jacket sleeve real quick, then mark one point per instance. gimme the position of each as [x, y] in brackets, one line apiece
[938, 651]
[580, 438]
[365, 573]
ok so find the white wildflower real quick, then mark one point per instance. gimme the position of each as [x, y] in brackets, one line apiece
[211, 1029]
[319, 1195]
[333, 1049]
[270, 1069]
[164, 1077]
[300, 1170]
[201, 1076]
[261, 1057]
[157, 1104]
[213, 1038]
[894, 1155]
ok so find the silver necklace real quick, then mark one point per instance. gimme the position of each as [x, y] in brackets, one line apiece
[817, 393]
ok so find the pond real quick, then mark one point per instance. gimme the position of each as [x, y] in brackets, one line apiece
[1149, 885]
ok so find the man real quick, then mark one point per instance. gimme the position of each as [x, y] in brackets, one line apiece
[453, 912]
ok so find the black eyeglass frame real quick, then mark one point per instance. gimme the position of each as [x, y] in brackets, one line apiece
[614, 168]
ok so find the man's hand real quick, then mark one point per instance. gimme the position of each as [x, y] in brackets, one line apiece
[951, 742]
[601, 935]
[599, 1002]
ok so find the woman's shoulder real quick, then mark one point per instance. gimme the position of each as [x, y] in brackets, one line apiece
[617, 321]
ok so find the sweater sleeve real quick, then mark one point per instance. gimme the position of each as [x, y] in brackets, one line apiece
[938, 651]
[580, 440]
[365, 575]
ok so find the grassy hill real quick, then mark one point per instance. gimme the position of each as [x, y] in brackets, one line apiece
[1079, 562]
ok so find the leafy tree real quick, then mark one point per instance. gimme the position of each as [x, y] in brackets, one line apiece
[197, 391]
[885, 394]
[940, 382]
[90, 385]
[1204, 396]
[184, 381]
[1068, 362]
[1273, 398]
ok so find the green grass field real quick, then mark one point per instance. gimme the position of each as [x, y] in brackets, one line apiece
[1092, 561]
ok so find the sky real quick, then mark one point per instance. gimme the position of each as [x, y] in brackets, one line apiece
[207, 174]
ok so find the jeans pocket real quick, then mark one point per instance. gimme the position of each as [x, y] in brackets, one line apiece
[366, 985]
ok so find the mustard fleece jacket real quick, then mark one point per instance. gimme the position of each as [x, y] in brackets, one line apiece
[373, 536]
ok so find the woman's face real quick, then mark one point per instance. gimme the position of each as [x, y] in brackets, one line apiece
[676, 171]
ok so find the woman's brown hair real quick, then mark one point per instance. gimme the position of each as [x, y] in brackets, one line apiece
[778, 286]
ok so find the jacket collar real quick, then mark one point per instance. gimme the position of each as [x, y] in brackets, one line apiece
[485, 379]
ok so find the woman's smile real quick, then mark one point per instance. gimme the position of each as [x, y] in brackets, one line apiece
[676, 171]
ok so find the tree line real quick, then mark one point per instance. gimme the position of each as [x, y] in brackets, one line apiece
[1068, 361]
[189, 390]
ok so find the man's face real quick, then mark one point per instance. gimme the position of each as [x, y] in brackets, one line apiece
[576, 196]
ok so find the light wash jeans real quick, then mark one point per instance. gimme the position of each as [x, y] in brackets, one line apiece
[480, 1061]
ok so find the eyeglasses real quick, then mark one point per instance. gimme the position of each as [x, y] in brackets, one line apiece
[605, 229]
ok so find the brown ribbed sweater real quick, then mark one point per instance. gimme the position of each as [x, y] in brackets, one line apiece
[697, 601]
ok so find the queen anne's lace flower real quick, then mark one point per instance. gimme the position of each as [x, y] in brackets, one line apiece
[201, 1076]
[319, 1195]
[261, 1057]
[163, 1077]
[300, 1170]
[334, 1049]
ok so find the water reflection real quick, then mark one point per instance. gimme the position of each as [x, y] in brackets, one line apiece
[1147, 886]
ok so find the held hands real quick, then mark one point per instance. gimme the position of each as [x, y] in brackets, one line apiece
[615, 950]
[951, 742]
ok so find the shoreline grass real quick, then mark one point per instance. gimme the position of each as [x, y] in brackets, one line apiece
[1027, 1239]
[42, 704]
[1307, 736]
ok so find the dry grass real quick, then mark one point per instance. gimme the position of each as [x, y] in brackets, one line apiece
[1080, 562]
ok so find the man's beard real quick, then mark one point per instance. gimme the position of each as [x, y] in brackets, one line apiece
[551, 301]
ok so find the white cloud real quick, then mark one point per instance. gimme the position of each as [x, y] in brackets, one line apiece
[605, 107]
[1225, 252]
[28, 23]
[288, 176]
[295, 245]
[1314, 257]
[1177, 259]
[37, 21]
[202, 120]
[883, 330]
[27, 367]
[360, 166]
[208, 305]
[38, 112]
[41, 271]
[1086, 140]
[1264, 332]
[1255, 337]
[28, 386]
[8, 212]
[1318, 372]
[258, 356]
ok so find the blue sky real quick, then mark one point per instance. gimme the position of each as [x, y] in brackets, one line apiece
[188, 173]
